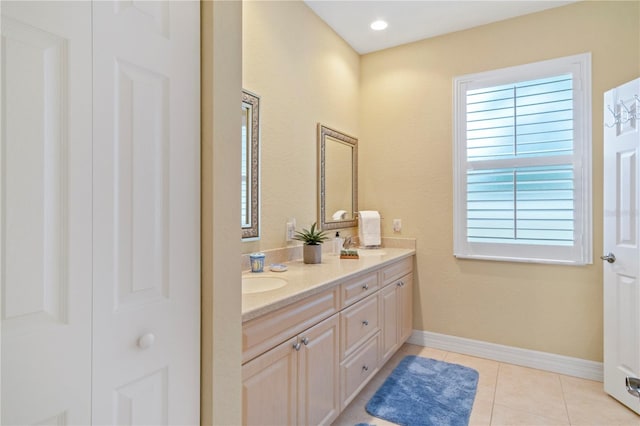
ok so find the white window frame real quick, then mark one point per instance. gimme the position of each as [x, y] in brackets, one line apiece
[581, 251]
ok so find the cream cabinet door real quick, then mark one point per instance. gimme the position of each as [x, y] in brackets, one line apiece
[146, 209]
[396, 309]
[270, 387]
[389, 321]
[318, 373]
[45, 184]
[405, 300]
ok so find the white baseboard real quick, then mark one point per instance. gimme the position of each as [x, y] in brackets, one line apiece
[577, 367]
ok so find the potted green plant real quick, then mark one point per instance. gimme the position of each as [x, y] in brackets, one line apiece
[312, 239]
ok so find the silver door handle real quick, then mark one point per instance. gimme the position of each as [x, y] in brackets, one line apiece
[609, 257]
[633, 386]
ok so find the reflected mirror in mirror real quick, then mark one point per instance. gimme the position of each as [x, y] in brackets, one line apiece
[337, 175]
[250, 155]
[338, 178]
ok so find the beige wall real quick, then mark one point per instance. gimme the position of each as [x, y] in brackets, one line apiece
[221, 394]
[406, 172]
[304, 74]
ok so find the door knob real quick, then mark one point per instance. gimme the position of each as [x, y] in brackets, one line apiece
[146, 341]
[609, 257]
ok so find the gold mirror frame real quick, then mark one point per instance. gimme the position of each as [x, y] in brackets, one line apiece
[326, 134]
[250, 214]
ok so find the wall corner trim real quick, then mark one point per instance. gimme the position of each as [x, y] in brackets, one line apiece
[570, 366]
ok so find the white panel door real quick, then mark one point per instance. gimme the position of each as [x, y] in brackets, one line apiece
[146, 212]
[45, 223]
[621, 220]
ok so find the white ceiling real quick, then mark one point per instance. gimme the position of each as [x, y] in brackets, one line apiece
[415, 20]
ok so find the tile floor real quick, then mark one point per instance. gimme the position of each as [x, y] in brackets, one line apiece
[511, 395]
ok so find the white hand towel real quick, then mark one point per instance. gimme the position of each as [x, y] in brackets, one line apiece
[339, 215]
[369, 228]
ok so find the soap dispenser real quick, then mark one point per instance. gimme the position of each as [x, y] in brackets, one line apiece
[337, 243]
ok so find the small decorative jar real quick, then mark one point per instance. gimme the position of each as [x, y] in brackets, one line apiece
[257, 262]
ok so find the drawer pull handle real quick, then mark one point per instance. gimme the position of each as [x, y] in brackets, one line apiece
[297, 346]
[400, 283]
[305, 341]
[365, 368]
[365, 322]
[365, 287]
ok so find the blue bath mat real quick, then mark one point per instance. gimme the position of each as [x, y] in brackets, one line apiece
[425, 392]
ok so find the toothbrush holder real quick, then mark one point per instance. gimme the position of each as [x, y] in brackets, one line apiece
[257, 262]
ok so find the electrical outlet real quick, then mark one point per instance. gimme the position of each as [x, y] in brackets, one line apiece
[397, 225]
[291, 230]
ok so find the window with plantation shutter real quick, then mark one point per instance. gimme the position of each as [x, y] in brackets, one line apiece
[522, 163]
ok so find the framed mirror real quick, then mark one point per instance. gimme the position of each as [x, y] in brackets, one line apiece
[338, 179]
[249, 189]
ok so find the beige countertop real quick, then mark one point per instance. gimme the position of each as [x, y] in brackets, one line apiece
[305, 280]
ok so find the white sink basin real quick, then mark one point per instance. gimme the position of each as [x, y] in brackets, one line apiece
[371, 252]
[261, 283]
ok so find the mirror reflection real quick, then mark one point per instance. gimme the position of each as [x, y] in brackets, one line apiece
[249, 177]
[338, 194]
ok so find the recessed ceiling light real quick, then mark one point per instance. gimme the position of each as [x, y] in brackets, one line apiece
[378, 25]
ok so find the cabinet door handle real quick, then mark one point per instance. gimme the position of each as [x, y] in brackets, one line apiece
[365, 368]
[297, 346]
[365, 322]
[365, 287]
[305, 341]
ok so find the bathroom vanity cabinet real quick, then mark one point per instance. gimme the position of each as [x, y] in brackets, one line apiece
[295, 382]
[305, 362]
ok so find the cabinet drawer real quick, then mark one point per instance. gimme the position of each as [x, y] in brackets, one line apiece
[358, 323]
[358, 369]
[395, 271]
[265, 332]
[358, 288]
